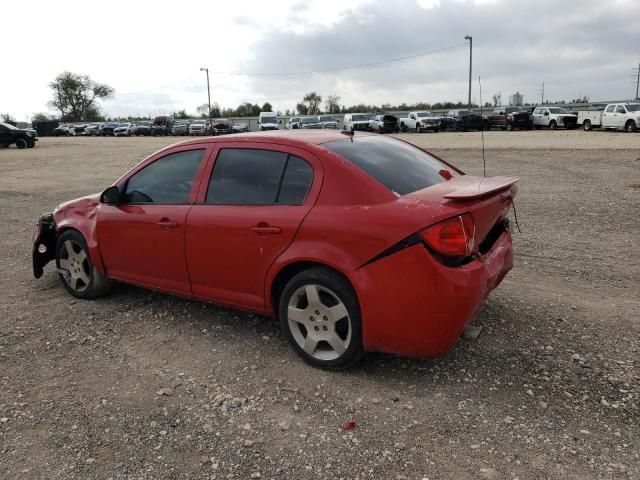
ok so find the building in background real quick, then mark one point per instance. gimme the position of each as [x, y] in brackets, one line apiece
[516, 99]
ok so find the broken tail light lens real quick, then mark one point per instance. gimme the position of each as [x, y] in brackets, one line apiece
[452, 238]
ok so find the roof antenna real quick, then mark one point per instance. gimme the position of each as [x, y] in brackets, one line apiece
[484, 160]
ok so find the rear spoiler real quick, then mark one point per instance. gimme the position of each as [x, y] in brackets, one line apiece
[468, 187]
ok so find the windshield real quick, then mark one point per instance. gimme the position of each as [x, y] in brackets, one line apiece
[512, 109]
[557, 110]
[9, 126]
[399, 166]
[198, 122]
[327, 118]
[360, 118]
[425, 114]
[633, 107]
[309, 120]
[269, 119]
[464, 113]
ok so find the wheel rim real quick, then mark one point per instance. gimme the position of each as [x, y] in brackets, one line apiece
[319, 322]
[74, 260]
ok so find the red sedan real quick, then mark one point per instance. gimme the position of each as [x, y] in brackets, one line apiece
[355, 242]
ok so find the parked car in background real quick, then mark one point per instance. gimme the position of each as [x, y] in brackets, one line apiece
[294, 123]
[199, 127]
[240, 128]
[122, 130]
[328, 121]
[615, 116]
[553, 117]
[92, 130]
[63, 130]
[141, 128]
[162, 125]
[420, 122]
[508, 118]
[108, 128]
[356, 121]
[462, 121]
[384, 123]
[222, 126]
[20, 137]
[180, 127]
[338, 283]
[310, 123]
[268, 121]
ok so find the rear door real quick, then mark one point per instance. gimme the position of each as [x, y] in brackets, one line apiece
[250, 205]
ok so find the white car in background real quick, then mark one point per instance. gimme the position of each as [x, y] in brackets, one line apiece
[553, 117]
[199, 127]
[122, 130]
[356, 121]
[293, 123]
[328, 121]
[268, 121]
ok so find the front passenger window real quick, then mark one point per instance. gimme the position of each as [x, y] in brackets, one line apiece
[167, 180]
[620, 109]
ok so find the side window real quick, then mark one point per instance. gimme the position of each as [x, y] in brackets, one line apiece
[610, 108]
[296, 182]
[620, 109]
[245, 177]
[167, 181]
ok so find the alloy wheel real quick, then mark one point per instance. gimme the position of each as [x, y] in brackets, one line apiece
[76, 265]
[319, 322]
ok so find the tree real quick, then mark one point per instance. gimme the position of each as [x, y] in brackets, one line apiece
[266, 107]
[314, 100]
[41, 117]
[497, 99]
[302, 109]
[332, 104]
[181, 114]
[74, 96]
[7, 118]
[215, 110]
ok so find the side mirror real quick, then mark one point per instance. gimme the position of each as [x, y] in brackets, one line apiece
[111, 196]
[546, 114]
[280, 122]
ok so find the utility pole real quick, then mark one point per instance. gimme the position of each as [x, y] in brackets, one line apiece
[470, 38]
[208, 92]
[637, 76]
[542, 94]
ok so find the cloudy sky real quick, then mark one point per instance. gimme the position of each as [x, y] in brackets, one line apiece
[151, 52]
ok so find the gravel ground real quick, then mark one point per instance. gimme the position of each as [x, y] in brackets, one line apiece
[145, 385]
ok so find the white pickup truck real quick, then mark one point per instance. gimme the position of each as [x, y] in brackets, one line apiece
[614, 116]
[420, 121]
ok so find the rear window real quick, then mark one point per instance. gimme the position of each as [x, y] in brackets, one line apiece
[400, 167]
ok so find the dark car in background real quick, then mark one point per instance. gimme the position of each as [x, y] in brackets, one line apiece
[384, 123]
[21, 137]
[310, 123]
[162, 125]
[462, 121]
[62, 130]
[222, 126]
[180, 127]
[92, 129]
[509, 118]
[142, 128]
[108, 129]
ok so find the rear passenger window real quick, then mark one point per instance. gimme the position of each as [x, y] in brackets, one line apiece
[296, 182]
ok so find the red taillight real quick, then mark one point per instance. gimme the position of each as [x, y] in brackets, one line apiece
[454, 237]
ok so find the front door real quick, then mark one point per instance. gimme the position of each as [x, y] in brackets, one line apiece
[142, 239]
[608, 116]
[247, 214]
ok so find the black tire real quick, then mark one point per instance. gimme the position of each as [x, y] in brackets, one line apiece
[5, 145]
[418, 128]
[98, 283]
[403, 127]
[338, 285]
[553, 125]
[586, 125]
[436, 130]
[537, 127]
[509, 127]
[630, 126]
[21, 143]
[380, 130]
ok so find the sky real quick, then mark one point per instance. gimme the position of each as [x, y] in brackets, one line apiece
[151, 52]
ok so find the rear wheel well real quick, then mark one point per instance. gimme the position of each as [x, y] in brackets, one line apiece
[290, 271]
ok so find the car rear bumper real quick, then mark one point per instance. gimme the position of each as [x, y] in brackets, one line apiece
[413, 305]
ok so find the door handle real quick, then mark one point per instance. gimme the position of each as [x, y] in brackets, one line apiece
[265, 229]
[166, 224]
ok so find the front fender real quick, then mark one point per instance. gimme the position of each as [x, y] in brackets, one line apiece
[82, 216]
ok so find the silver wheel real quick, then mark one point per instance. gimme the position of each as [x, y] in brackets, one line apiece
[319, 322]
[73, 259]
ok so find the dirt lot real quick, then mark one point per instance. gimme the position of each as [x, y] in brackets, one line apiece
[145, 385]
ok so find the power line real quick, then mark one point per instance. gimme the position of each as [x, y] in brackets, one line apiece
[344, 67]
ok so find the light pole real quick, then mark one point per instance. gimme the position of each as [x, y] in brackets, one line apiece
[470, 38]
[208, 92]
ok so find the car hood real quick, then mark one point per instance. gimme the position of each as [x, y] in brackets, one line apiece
[78, 205]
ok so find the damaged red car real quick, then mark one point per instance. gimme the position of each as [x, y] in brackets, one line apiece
[355, 242]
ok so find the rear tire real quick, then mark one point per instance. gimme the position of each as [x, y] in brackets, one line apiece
[418, 128]
[586, 126]
[320, 316]
[630, 126]
[21, 143]
[509, 127]
[553, 125]
[82, 280]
